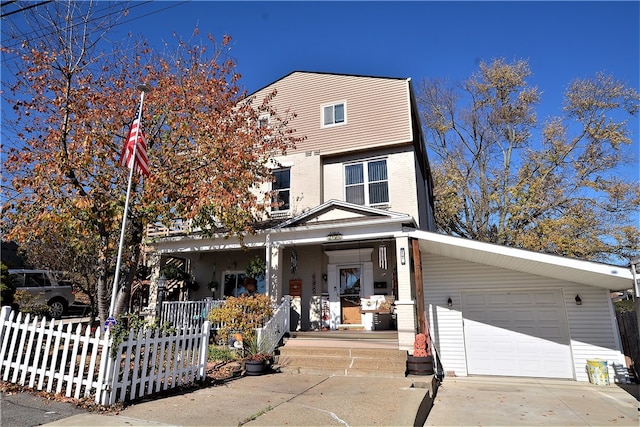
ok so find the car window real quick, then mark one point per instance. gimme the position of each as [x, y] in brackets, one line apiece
[39, 280]
[17, 280]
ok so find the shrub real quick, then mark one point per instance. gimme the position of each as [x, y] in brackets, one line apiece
[220, 353]
[244, 314]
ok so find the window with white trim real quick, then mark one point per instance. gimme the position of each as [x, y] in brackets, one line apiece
[263, 121]
[334, 114]
[281, 187]
[366, 183]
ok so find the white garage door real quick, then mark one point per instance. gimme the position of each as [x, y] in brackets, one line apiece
[516, 333]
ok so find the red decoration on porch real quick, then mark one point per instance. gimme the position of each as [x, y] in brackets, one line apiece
[295, 287]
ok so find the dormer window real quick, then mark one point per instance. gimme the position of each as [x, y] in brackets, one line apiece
[334, 114]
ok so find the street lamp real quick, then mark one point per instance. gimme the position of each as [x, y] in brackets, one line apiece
[162, 283]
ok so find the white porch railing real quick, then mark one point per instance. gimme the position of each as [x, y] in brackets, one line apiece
[185, 314]
[277, 326]
[61, 357]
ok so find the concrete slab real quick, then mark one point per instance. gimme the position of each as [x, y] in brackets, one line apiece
[500, 401]
[280, 399]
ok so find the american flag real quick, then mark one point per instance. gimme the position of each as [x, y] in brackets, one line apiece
[141, 162]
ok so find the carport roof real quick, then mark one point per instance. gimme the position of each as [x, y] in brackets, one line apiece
[600, 275]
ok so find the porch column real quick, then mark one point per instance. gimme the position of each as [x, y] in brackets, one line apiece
[405, 304]
[273, 277]
[154, 264]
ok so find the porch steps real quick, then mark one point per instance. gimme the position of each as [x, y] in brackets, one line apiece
[343, 353]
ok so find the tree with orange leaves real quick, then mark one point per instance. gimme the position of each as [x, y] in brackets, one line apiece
[73, 102]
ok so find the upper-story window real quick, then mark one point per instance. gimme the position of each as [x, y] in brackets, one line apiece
[366, 183]
[334, 114]
[281, 186]
[263, 121]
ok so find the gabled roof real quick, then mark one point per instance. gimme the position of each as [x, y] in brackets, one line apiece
[336, 211]
[573, 270]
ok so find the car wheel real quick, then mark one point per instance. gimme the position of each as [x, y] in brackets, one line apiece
[56, 308]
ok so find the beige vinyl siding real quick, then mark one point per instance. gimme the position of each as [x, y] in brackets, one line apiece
[377, 110]
[591, 328]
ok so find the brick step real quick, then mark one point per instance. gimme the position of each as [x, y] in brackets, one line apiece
[343, 361]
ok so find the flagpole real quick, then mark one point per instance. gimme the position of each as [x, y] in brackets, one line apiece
[142, 88]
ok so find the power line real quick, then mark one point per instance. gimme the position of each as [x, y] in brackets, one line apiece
[23, 8]
[93, 19]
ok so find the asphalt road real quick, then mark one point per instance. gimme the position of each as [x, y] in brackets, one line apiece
[27, 410]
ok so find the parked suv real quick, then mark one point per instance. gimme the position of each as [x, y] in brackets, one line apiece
[44, 289]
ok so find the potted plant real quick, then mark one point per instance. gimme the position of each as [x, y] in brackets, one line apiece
[213, 286]
[255, 271]
[420, 363]
[257, 355]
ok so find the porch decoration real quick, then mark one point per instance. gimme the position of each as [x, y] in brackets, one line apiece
[382, 256]
[213, 283]
[295, 287]
[420, 363]
[255, 271]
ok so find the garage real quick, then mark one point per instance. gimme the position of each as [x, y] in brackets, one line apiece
[516, 333]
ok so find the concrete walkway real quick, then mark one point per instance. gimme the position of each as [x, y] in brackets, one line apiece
[278, 400]
[499, 401]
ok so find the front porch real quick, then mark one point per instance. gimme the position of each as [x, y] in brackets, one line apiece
[346, 267]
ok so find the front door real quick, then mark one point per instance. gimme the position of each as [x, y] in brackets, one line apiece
[350, 277]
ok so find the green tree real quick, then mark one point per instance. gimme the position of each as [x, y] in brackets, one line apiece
[499, 178]
[73, 99]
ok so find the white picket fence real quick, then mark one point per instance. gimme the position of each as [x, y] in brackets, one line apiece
[50, 355]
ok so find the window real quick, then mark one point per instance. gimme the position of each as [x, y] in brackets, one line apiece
[366, 183]
[263, 121]
[333, 114]
[281, 187]
[233, 282]
[350, 280]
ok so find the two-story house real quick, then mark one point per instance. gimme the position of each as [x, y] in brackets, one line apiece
[355, 231]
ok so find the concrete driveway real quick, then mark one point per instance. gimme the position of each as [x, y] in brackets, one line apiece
[502, 401]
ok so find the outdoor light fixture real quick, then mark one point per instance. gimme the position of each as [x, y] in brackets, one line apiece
[578, 300]
[449, 302]
[403, 259]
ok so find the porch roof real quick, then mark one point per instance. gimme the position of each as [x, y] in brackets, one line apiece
[600, 275]
[343, 212]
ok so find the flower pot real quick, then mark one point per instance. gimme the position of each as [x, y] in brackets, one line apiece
[419, 365]
[253, 367]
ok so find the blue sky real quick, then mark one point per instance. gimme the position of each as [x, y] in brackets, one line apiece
[417, 39]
